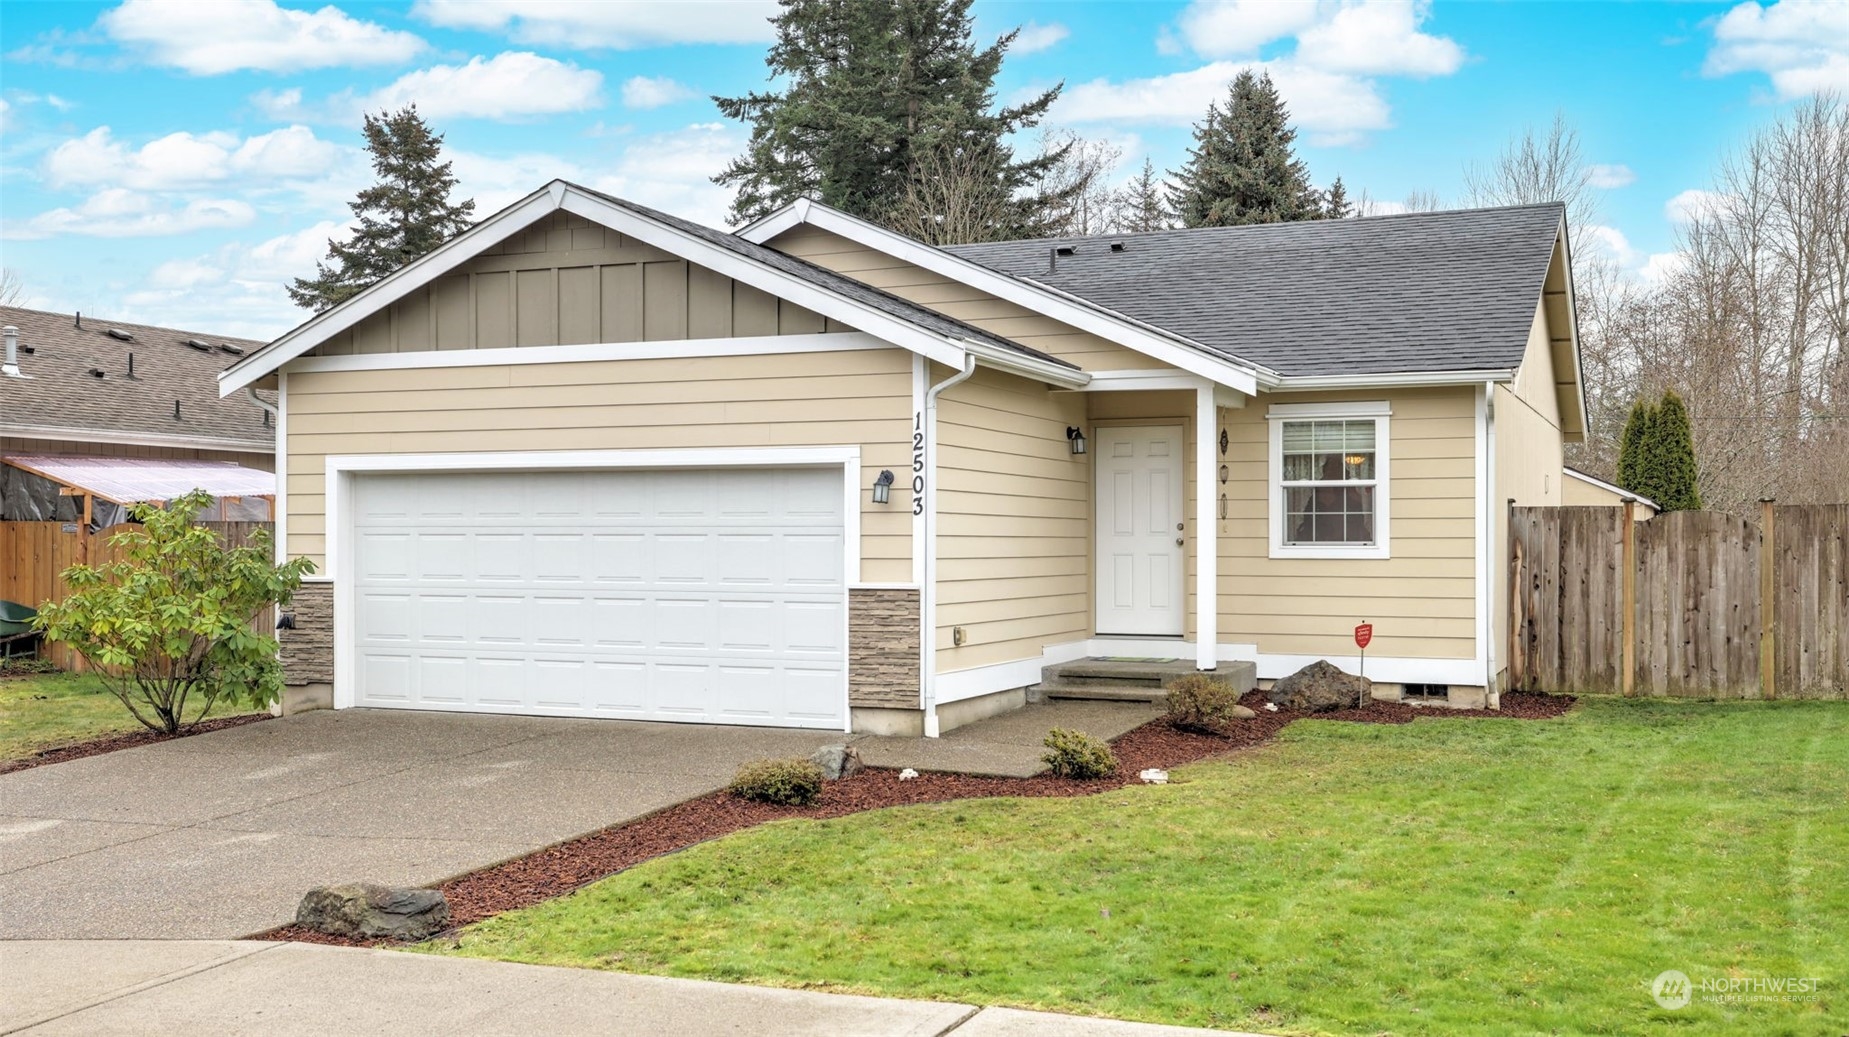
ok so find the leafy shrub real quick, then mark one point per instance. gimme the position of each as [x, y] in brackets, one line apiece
[1201, 702]
[172, 621]
[793, 782]
[1075, 754]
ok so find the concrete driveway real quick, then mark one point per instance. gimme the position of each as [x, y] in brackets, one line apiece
[218, 835]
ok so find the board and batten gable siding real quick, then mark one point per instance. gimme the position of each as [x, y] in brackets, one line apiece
[1014, 521]
[1530, 464]
[855, 397]
[1422, 600]
[569, 281]
[955, 299]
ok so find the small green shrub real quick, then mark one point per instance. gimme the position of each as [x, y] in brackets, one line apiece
[1201, 702]
[1075, 754]
[794, 782]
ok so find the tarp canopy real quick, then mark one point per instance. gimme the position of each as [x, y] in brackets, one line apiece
[136, 480]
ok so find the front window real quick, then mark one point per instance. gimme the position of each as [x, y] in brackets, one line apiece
[1329, 482]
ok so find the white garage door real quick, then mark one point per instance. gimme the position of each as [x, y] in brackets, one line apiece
[713, 596]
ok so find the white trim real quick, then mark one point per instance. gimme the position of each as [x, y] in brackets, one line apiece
[1380, 413]
[341, 468]
[180, 442]
[1382, 669]
[927, 598]
[1059, 305]
[754, 345]
[914, 471]
[977, 681]
[1135, 380]
[883, 587]
[1206, 526]
[1404, 380]
[1623, 494]
[1485, 445]
[1011, 362]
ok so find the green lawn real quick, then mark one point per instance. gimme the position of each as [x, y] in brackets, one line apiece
[1441, 877]
[44, 711]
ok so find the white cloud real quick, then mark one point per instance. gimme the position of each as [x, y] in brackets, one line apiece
[1378, 38]
[121, 213]
[1035, 37]
[622, 26]
[1661, 266]
[1331, 108]
[1693, 204]
[1610, 177]
[208, 39]
[654, 92]
[6, 114]
[1802, 46]
[240, 286]
[1598, 238]
[673, 171]
[1240, 27]
[510, 85]
[181, 161]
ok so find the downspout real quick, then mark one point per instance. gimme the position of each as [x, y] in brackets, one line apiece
[264, 405]
[928, 591]
[1490, 559]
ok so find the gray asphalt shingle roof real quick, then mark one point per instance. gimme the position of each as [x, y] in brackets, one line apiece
[62, 393]
[1420, 292]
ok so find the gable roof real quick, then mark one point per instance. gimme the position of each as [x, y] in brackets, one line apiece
[61, 399]
[1419, 293]
[832, 295]
[1614, 488]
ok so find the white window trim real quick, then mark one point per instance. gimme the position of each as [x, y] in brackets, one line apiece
[1381, 413]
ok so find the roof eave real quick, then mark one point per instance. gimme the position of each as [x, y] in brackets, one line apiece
[1389, 380]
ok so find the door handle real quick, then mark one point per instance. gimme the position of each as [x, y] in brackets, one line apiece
[1178, 542]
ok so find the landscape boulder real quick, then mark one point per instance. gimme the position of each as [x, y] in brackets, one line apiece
[1321, 687]
[370, 911]
[838, 761]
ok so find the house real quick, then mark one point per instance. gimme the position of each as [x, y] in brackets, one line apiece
[1586, 491]
[104, 413]
[589, 459]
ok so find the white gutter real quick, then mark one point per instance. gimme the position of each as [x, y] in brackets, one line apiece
[927, 601]
[1032, 368]
[1406, 380]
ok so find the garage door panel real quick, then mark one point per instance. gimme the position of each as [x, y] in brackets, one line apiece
[692, 595]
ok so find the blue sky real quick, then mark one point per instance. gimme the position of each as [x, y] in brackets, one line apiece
[175, 163]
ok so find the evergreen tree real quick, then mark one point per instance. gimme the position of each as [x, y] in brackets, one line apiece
[1143, 203]
[875, 99]
[1631, 448]
[1336, 205]
[1241, 168]
[403, 216]
[1674, 456]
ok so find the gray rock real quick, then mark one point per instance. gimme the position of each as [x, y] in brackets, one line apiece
[1321, 687]
[371, 911]
[838, 761]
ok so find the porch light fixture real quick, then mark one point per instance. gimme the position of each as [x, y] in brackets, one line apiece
[1076, 437]
[882, 487]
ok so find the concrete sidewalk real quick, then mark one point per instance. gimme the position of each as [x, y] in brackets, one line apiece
[210, 987]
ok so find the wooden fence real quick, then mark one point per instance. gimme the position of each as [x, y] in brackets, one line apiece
[1699, 604]
[34, 554]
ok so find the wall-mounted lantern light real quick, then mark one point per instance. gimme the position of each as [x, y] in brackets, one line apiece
[882, 487]
[1076, 437]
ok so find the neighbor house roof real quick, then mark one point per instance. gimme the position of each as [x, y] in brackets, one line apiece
[1612, 488]
[78, 386]
[135, 480]
[1383, 295]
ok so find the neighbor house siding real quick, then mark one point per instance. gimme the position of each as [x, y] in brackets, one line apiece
[569, 281]
[1529, 463]
[858, 397]
[10, 445]
[1578, 493]
[955, 299]
[1421, 600]
[1014, 521]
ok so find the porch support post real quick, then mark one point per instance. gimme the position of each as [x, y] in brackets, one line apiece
[1206, 529]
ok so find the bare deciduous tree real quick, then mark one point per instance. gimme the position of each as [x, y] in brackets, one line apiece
[1537, 168]
[12, 287]
[1076, 188]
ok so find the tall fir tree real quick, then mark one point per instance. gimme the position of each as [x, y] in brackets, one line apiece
[873, 97]
[1336, 205]
[406, 214]
[1631, 447]
[1674, 456]
[1242, 168]
[1143, 203]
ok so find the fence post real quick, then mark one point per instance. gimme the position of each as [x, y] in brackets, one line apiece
[1627, 602]
[1768, 623]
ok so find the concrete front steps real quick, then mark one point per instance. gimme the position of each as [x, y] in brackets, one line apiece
[1129, 680]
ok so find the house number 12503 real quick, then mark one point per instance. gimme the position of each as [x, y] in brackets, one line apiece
[918, 462]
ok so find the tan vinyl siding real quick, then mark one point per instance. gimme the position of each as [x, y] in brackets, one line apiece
[568, 281]
[955, 299]
[1421, 600]
[1014, 521]
[858, 397]
[1529, 461]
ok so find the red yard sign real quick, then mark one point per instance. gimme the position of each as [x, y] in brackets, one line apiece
[1363, 634]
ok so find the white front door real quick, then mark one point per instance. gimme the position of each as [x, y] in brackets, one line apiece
[1140, 531]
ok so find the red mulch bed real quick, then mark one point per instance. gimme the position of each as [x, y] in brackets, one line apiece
[110, 743]
[569, 866]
